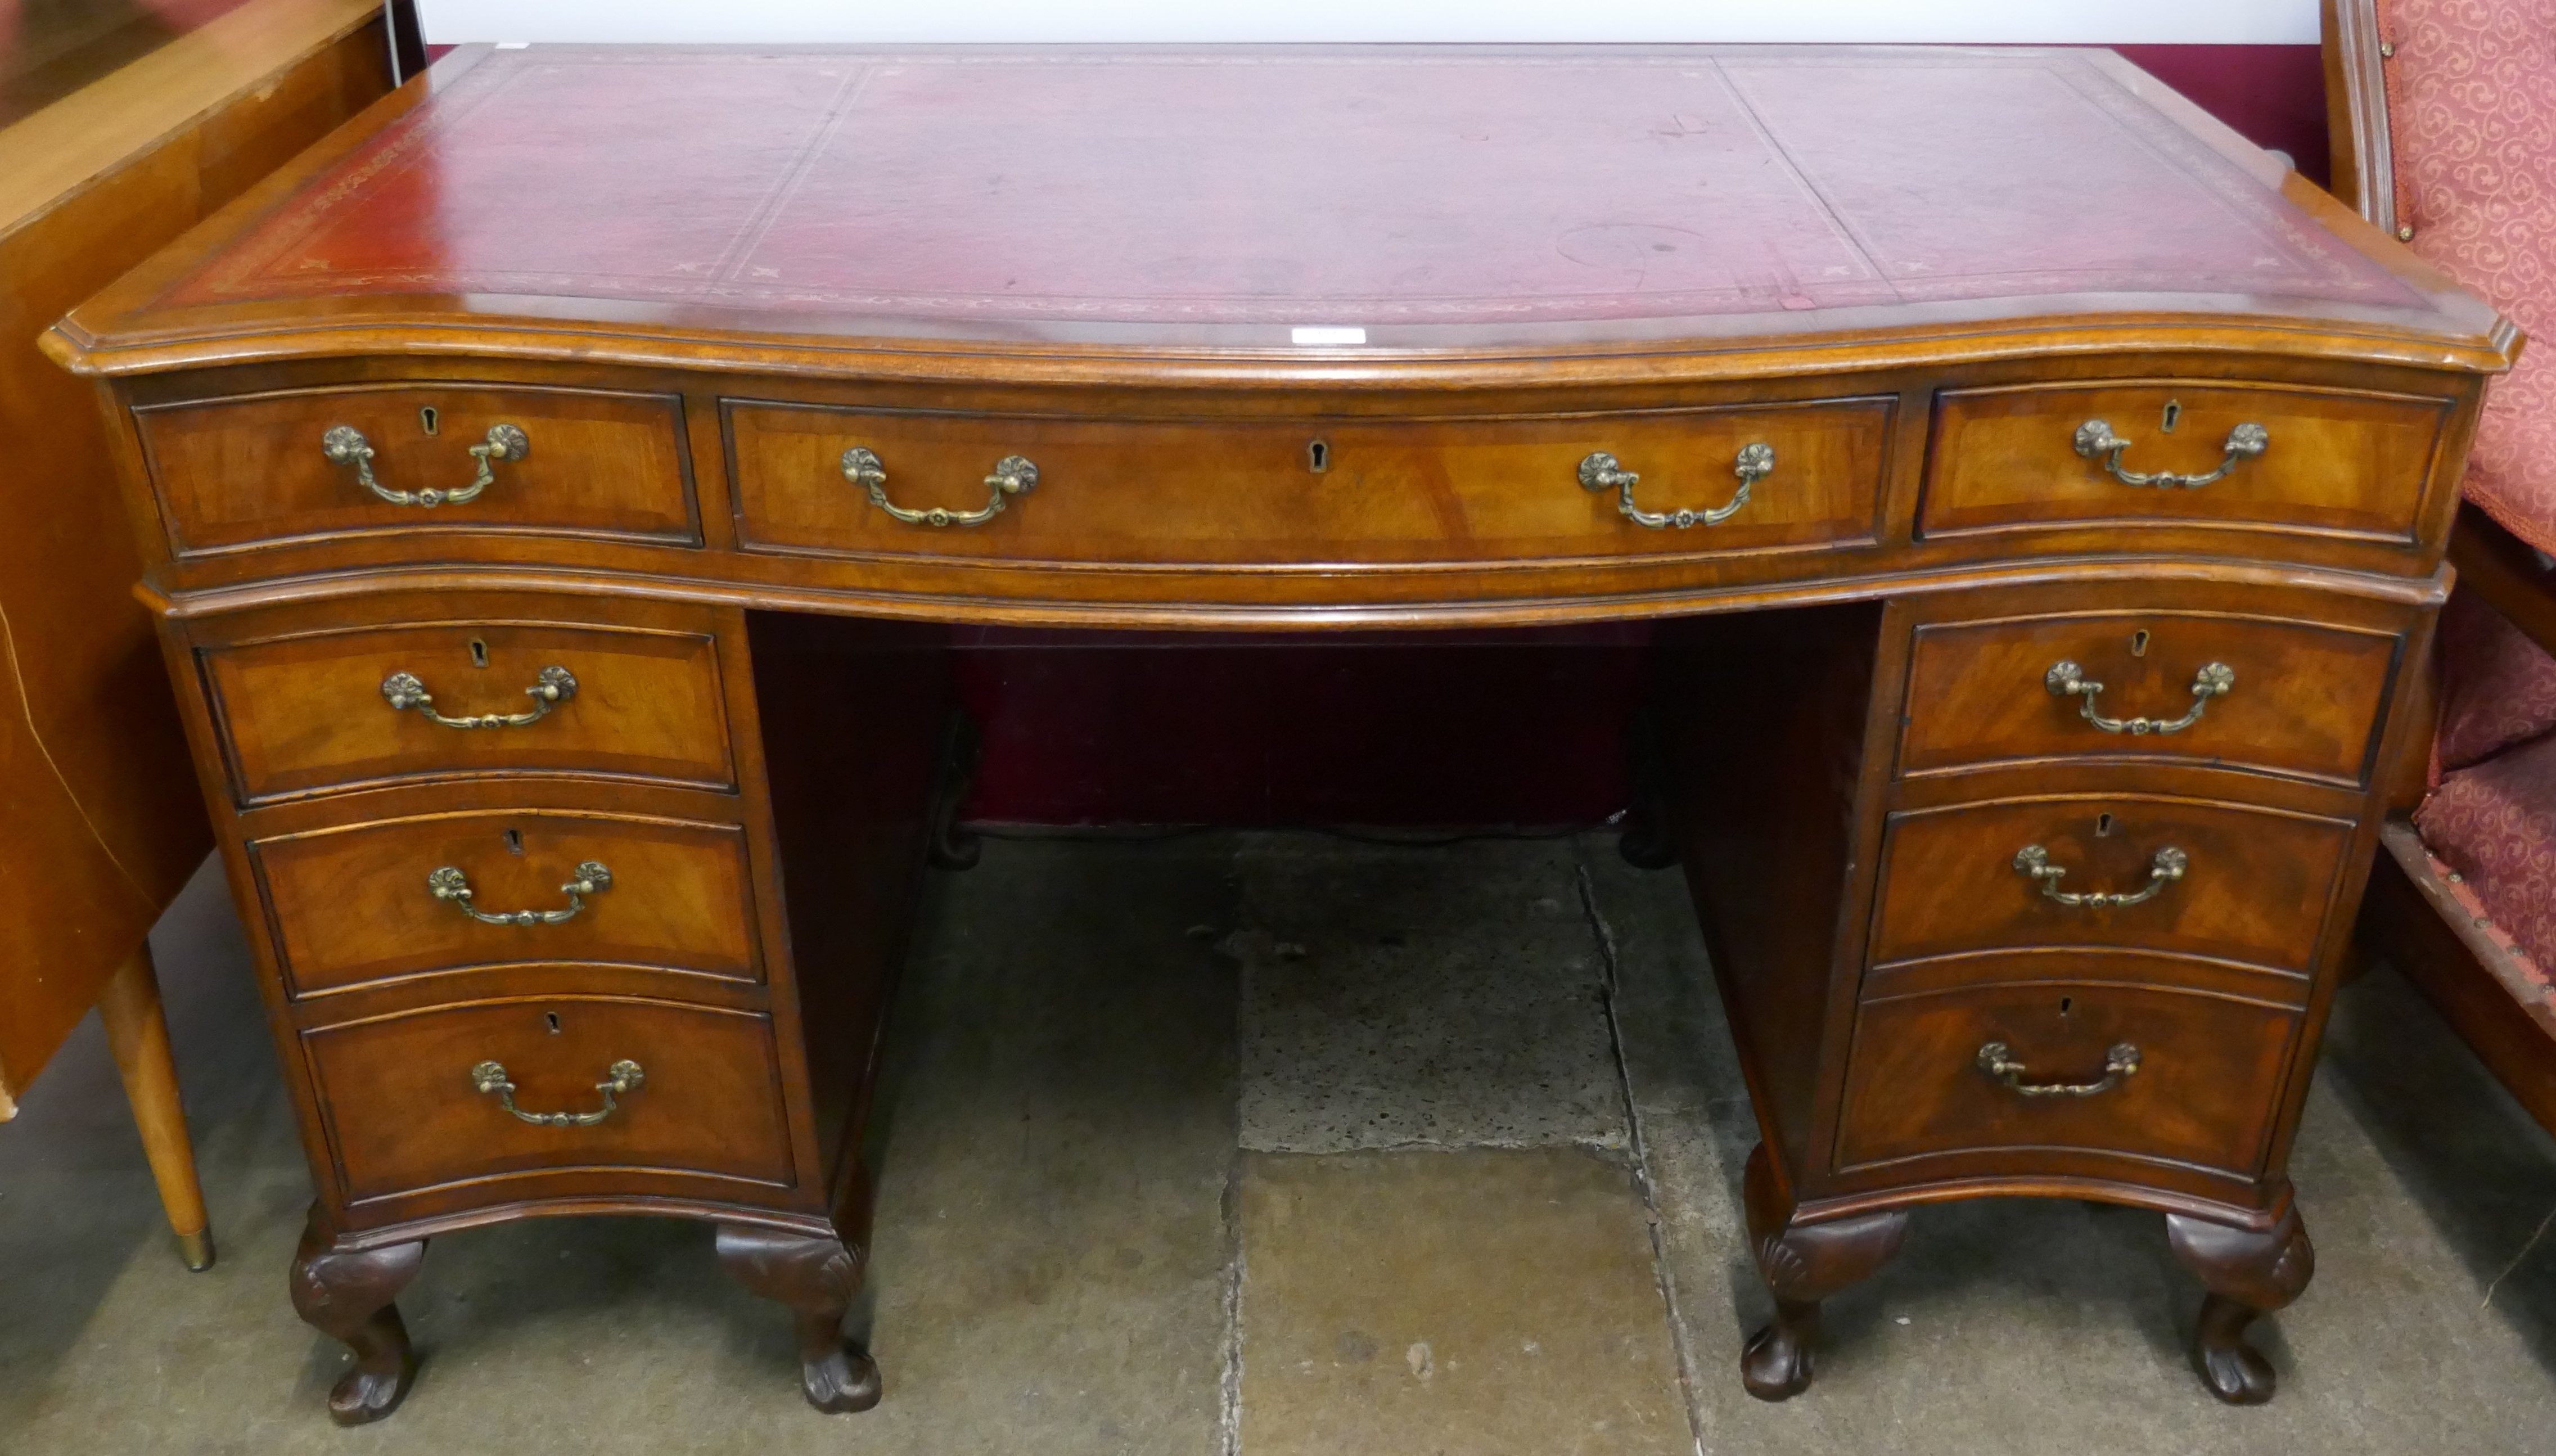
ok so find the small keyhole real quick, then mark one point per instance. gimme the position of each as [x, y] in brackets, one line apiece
[425, 418]
[2139, 643]
[2173, 412]
[2102, 825]
[1318, 456]
[514, 842]
[2065, 1002]
[478, 653]
[552, 1019]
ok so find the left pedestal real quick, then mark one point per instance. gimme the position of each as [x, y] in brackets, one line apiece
[516, 868]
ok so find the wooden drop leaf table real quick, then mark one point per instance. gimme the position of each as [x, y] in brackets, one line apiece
[557, 488]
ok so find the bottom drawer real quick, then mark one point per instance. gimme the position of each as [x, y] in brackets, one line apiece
[2210, 1069]
[410, 1104]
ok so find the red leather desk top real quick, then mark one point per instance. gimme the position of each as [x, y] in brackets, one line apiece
[1143, 197]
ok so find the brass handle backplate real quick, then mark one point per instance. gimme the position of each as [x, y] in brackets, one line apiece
[1998, 1060]
[1013, 476]
[555, 686]
[621, 1077]
[1599, 470]
[2095, 440]
[2165, 866]
[448, 883]
[2068, 680]
[345, 445]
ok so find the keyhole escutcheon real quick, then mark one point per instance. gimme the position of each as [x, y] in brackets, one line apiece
[1318, 456]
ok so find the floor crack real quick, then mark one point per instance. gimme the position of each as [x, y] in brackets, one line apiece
[1609, 996]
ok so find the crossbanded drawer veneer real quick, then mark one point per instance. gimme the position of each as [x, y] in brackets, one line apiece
[554, 524]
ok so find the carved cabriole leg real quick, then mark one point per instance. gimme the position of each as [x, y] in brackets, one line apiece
[816, 1277]
[348, 1295]
[1803, 1266]
[2248, 1272]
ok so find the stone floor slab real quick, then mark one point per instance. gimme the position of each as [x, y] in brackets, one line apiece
[1473, 1303]
[1403, 996]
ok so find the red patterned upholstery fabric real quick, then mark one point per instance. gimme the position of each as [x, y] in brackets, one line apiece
[2498, 687]
[2494, 824]
[2472, 116]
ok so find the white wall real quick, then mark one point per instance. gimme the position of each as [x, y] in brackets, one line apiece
[2104, 22]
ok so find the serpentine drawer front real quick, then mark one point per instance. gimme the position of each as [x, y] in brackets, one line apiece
[409, 1108]
[2139, 1071]
[259, 469]
[338, 709]
[2230, 881]
[448, 891]
[2265, 457]
[1210, 490]
[2289, 697]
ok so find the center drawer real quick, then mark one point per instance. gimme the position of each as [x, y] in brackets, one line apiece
[372, 901]
[2182, 876]
[1179, 492]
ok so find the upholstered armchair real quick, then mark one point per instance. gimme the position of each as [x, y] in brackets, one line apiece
[2444, 123]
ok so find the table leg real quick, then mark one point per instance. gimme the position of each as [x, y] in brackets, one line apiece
[137, 1031]
[816, 1277]
[1803, 1266]
[2248, 1272]
[348, 1294]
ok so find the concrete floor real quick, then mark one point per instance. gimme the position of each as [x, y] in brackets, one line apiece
[1246, 1144]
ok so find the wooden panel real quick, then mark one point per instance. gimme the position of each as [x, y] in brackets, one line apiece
[403, 1115]
[352, 905]
[97, 788]
[2255, 888]
[1195, 490]
[2207, 1088]
[2338, 463]
[247, 471]
[2305, 700]
[306, 712]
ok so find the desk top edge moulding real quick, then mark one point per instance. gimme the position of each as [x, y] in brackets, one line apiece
[556, 488]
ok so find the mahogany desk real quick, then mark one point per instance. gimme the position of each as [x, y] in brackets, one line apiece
[551, 488]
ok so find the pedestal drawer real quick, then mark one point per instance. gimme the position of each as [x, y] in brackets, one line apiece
[2291, 697]
[2295, 459]
[372, 901]
[1210, 490]
[422, 1100]
[2184, 876]
[262, 469]
[332, 709]
[2142, 1071]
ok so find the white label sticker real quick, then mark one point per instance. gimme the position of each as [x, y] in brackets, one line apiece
[1329, 336]
[514, 45]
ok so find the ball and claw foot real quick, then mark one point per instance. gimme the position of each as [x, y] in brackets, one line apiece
[1803, 1265]
[842, 1381]
[1776, 1364]
[816, 1277]
[2248, 1272]
[350, 1296]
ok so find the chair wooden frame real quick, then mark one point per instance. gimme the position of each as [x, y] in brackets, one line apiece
[2411, 917]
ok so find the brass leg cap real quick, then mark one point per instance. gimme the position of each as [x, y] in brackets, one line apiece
[196, 1248]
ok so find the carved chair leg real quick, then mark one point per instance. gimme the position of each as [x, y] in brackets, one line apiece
[953, 847]
[1648, 840]
[348, 1295]
[1803, 1266]
[2248, 1272]
[816, 1277]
